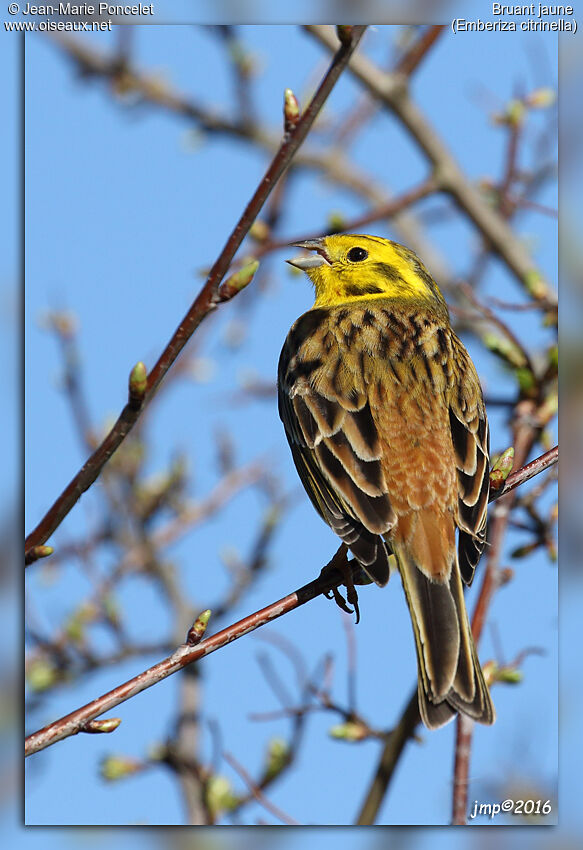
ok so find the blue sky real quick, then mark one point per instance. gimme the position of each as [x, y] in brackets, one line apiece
[124, 207]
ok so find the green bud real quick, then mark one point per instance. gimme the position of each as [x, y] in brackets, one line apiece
[105, 725]
[526, 380]
[242, 59]
[278, 754]
[349, 731]
[38, 552]
[291, 110]
[113, 768]
[219, 795]
[245, 275]
[238, 280]
[515, 113]
[535, 284]
[490, 671]
[336, 222]
[549, 407]
[138, 382]
[509, 675]
[501, 468]
[524, 551]
[198, 628]
[541, 98]
[111, 609]
[272, 517]
[41, 675]
[553, 356]
[504, 348]
[75, 629]
[259, 230]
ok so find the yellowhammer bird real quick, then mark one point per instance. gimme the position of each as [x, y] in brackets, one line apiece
[383, 411]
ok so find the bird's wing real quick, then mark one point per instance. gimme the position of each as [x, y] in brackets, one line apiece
[471, 442]
[335, 448]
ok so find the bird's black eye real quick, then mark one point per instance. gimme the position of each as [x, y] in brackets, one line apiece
[357, 255]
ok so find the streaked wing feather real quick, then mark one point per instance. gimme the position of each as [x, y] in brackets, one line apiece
[336, 451]
[369, 549]
[471, 442]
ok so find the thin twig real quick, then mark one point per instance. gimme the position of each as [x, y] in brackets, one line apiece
[491, 316]
[406, 65]
[527, 472]
[410, 60]
[504, 203]
[258, 793]
[205, 302]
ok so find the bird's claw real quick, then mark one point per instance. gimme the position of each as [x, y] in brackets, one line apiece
[340, 562]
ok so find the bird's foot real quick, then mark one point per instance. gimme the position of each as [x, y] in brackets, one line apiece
[342, 565]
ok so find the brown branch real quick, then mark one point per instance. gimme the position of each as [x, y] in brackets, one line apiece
[406, 65]
[311, 690]
[185, 745]
[391, 90]
[504, 204]
[413, 57]
[526, 203]
[395, 206]
[495, 320]
[193, 514]
[188, 517]
[204, 304]
[388, 761]
[64, 328]
[527, 472]
[257, 792]
[186, 654]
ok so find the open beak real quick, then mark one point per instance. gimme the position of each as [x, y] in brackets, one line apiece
[307, 263]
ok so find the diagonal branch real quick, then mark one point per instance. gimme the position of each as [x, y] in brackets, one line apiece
[388, 761]
[185, 654]
[527, 472]
[205, 302]
[415, 55]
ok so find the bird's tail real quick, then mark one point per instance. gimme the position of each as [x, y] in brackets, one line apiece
[450, 679]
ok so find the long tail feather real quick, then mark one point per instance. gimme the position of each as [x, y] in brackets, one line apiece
[450, 677]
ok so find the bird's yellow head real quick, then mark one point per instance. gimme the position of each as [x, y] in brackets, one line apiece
[352, 267]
